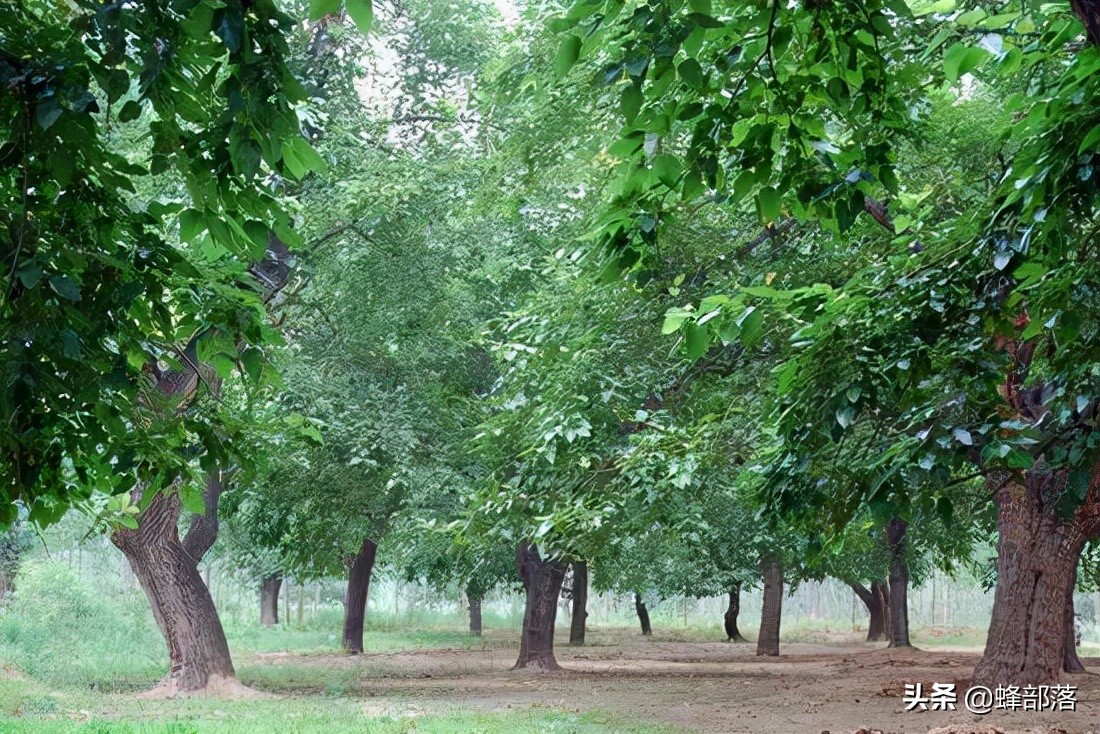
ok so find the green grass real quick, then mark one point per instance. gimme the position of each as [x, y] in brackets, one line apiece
[26, 706]
[72, 658]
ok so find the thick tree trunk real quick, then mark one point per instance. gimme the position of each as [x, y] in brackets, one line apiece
[732, 612]
[873, 599]
[643, 614]
[269, 600]
[767, 641]
[579, 614]
[475, 614]
[181, 603]
[1037, 556]
[355, 603]
[543, 579]
[899, 584]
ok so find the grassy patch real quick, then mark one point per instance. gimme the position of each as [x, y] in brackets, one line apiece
[27, 707]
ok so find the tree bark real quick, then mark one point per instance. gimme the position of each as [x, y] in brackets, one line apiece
[181, 603]
[873, 599]
[899, 584]
[579, 613]
[643, 614]
[767, 641]
[1089, 13]
[542, 578]
[1037, 555]
[1071, 663]
[475, 614]
[269, 600]
[732, 612]
[355, 603]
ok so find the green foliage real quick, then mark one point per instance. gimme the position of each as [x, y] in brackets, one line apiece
[112, 148]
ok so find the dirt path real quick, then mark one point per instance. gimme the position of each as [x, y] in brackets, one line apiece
[706, 687]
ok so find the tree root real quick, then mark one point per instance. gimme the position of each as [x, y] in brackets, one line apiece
[216, 687]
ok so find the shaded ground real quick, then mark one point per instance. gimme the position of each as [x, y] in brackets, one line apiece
[838, 686]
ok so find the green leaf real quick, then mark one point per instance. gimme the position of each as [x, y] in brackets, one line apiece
[223, 364]
[47, 112]
[675, 318]
[300, 158]
[30, 273]
[697, 340]
[785, 376]
[568, 53]
[961, 59]
[927, 8]
[362, 13]
[257, 232]
[631, 103]
[116, 84]
[1090, 140]
[191, 224]
[692, 74]
[191, 499]
[253, 361]
[70, 344]
[1017, 459]
[320, 8]
[845, 415]
[768, 204]
[62, 166]
[130, 111]
[312, 433]
[64, 287]
[705, 21]
[750, 323]
[667, 168]
[231, 28]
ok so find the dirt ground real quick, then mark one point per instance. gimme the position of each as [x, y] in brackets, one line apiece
[837, 687]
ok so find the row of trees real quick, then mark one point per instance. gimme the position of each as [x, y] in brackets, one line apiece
[701, 294]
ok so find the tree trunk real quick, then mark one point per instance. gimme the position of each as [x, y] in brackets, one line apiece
[899, 584]
[355, 604]
[1071, 663]
[1037, 555]
[643, 614]
[579, 614]
[767, 641]
[475, 614]
[543, 579]
[873, 599]
[732, 611]
[269, 600]
[883, 591]
[181, 603]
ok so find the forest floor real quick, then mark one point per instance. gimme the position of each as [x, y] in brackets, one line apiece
[836, 685]
[620, 681]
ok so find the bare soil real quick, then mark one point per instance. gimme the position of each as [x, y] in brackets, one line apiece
[839, 686]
